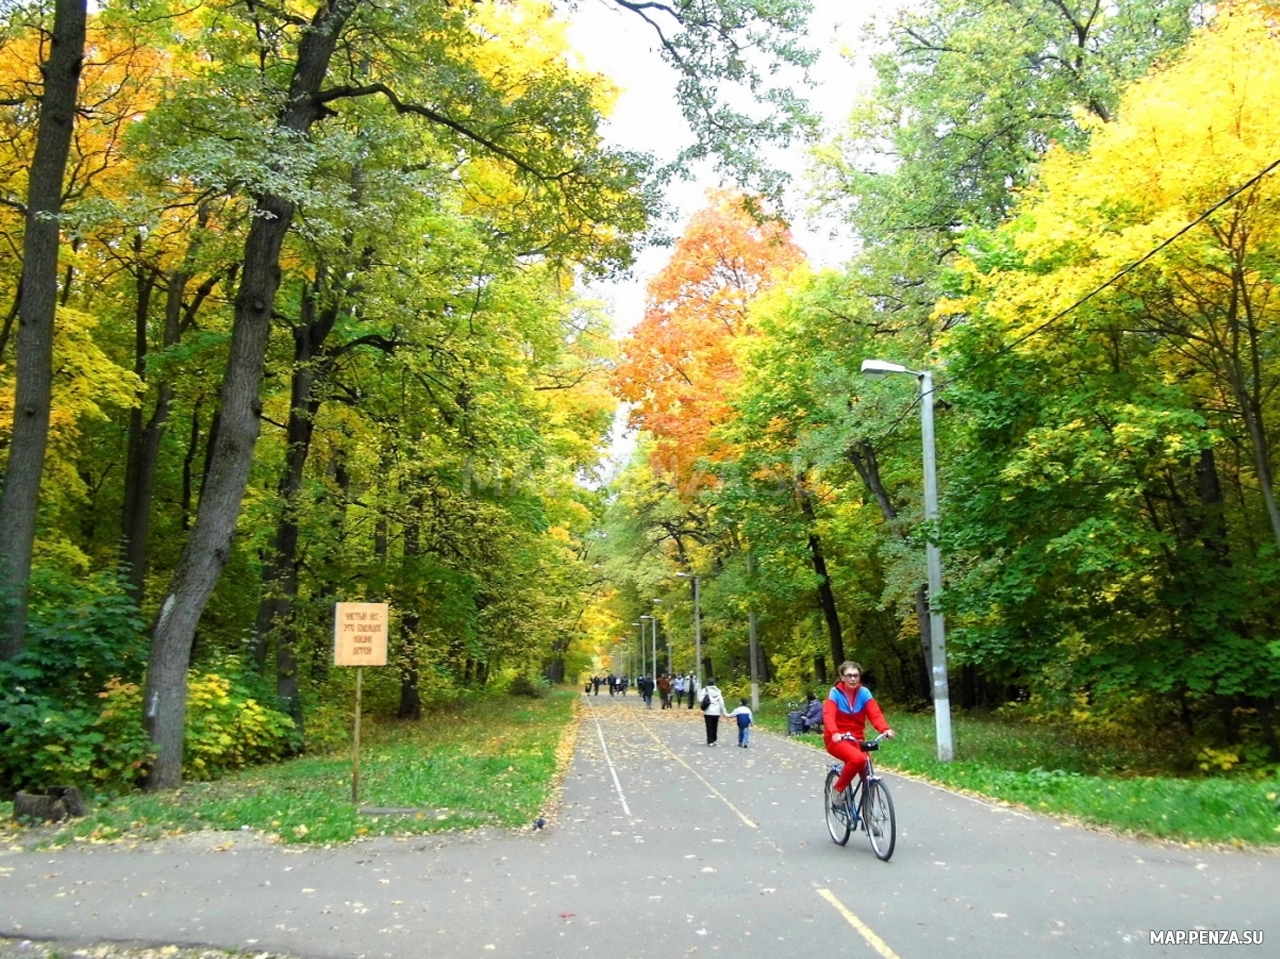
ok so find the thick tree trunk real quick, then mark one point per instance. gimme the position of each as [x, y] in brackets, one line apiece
[37, 307]
[209, 545]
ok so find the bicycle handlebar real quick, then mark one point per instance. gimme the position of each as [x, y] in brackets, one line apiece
[866, 745]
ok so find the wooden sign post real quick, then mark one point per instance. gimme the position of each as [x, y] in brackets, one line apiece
[359, 640]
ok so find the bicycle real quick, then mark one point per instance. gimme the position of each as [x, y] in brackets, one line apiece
[866, 805]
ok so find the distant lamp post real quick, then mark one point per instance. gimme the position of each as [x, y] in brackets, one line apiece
[874, 369]
[642, 638]
[697, 626]
[655, 640]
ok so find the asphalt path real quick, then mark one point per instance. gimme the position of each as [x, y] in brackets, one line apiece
[665, 847]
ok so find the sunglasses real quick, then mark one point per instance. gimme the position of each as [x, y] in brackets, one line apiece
[852, 676]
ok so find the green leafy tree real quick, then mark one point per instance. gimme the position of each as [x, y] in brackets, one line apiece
[1136, 427]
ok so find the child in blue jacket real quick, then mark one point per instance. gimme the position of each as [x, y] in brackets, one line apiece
[743, 715]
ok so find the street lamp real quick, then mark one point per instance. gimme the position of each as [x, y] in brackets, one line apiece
[655, 643]
[874, 369]
[697, 626]
[642, 619]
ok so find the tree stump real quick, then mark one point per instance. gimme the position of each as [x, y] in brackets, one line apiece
[53, 805]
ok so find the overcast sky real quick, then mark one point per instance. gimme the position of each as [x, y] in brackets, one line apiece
[618, 44]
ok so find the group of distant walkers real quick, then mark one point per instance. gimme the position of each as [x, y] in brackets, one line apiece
[617, 685]
[672, 690]
[841, 717]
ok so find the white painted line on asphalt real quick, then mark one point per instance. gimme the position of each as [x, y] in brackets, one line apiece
[613, 772]
[719, 795]
[874, 941]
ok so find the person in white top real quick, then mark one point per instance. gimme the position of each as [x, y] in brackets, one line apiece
[713, 708]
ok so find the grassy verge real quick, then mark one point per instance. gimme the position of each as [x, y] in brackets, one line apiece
[1037, 767]
[491, 762]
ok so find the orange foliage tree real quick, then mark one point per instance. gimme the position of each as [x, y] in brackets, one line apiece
[679, 364]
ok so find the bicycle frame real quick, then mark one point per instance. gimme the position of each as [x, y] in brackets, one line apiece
[867, 805]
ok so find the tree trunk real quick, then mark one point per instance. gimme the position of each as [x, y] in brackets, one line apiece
[410, 706]
[926, 639]
[410, 697]
[280, 574]
[826, 596]
[37, 307]
[820, 669]
[142, 444]
[193, 444]
[863, 457]
[209, 545]
[144, 441]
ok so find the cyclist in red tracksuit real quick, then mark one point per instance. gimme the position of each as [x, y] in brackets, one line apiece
[844, 715]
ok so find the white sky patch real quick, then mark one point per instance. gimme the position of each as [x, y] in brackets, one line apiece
[646, 118]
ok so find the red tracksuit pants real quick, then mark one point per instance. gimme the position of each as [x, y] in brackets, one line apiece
[854, 759]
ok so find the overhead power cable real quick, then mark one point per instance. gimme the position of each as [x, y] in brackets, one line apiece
[1134, 265]
[1270, 168]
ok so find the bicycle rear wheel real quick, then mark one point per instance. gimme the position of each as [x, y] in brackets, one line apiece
[837, 812]
[879, 819]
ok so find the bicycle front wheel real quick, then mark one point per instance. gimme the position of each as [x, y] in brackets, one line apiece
[879, 820]
[837, 812]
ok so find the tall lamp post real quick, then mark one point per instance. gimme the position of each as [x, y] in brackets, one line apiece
[697, 626]
[875, 369]
[643, 671]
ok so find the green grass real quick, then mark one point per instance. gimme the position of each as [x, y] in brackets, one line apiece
[491, 762]
[1051, 771]
[494, 762]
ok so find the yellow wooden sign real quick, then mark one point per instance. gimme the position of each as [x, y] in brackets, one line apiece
[360, 634]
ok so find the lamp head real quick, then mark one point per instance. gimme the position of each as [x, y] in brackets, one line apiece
[874, 369]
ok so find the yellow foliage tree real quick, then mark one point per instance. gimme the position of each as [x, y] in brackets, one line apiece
[1194, 142]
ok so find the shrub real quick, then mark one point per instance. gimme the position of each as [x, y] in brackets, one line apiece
[229, 729]
[83, 638]
[522, 685]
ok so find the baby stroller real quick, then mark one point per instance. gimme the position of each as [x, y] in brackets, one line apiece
[796, 723]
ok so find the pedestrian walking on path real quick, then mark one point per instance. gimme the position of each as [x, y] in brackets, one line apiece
[744, 717]
[646, 691]
[712, 709]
